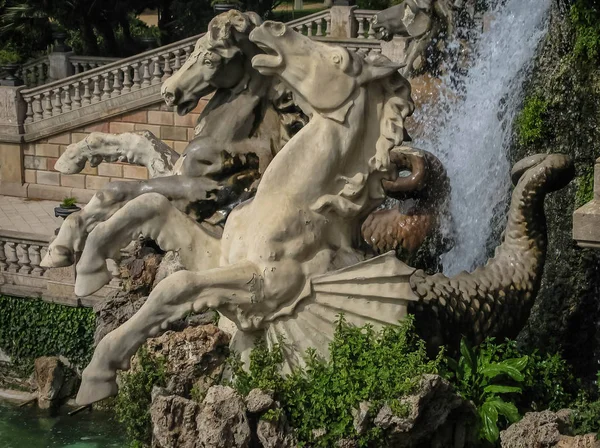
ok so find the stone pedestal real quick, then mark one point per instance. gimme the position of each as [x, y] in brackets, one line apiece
[343, 24]
[59, 67]
[586, 220]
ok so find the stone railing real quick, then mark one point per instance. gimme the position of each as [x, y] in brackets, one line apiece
[317, 24]
[347, 23]
[363, 23]
[586, 219]
[35, 73]
[22, 276]
[80, 64]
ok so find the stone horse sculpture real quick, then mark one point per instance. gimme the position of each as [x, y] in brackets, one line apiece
[289, 259]
[248, 119]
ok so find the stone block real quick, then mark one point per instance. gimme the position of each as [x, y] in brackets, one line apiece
[48, 178]
[121, 128]
[161, 118]
[190, 120]
[201, 105]
[14, 189]
[29, 149]
[76, 137]
[35, 163]
[135, 172]
[586, 225]
[83, 196]
[52, 164]
[47, 150]
[89, 170]
[140, 116]
[11, 162]
[63, 139]
[72, 180]
[121, 179]
[191, 134]
[30, 176]
[110, 170]
[173, 133]
[180, 146]
[96, 182]
[98, 127]
[149, 127]
[50, 192]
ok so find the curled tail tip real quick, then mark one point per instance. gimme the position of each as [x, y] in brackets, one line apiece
[561, 162]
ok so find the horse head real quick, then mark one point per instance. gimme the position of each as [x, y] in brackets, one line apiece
[217, 62]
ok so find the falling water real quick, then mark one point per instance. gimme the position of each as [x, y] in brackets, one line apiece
[473, 134]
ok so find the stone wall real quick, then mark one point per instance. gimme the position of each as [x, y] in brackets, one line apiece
[40, 180]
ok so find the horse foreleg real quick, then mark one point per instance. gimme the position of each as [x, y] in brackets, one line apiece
[179, 294]
[152, 216]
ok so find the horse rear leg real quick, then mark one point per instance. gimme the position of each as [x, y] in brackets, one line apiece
[152, 216]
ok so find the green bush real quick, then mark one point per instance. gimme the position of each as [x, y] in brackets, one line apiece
[9, 57]
[585, 188]
[585, 17]
[487, 382]
[531, 127]
[365, 365]
[30, 328]
[132, 405]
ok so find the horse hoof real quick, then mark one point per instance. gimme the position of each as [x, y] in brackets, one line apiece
[95, 388]
[87, 283]
[58, 257]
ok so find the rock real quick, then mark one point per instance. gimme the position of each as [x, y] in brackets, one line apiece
[170, 263]
[318, 433]
[222, 421]
[259, 401]
[174, 421]
[114, 312]
[275, 433]
[139, 272]
[195, 357]
[49, 374]
[347, 443]
[545, 429]
[361, 417]
[433, 413]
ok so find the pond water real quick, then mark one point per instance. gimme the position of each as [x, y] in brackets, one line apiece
[30, 427]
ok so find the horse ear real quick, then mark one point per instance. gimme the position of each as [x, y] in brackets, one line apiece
[377, 67]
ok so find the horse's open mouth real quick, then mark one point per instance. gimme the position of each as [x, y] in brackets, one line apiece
[269, 61]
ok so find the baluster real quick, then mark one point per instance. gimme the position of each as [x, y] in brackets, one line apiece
[96, 93]
[106, 87]
[11, 256]
[328, 26]
[3, 264]
[47, 104]
[126, 80]
[67, 103]
[35, 255]
[38, 111]
[87, 97]
[188, 50]
[76, 95]
[361, 28]
[177, 63]
[38, 76]
[57, 109]
[146, 73]
[309, 29]
[136, 76]
[156, 73]
[75, 66]
[371, 32]
[168, 71]
[319, 27]
[24, 260]
[29, 113]
[116, 87]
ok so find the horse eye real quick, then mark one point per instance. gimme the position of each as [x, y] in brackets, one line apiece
[337, 59]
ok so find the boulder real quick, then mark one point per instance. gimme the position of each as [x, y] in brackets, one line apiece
[49, 375]
[275, 433]
[545, 429]
[259, 401]
[170, 263]
[114, 312]
[222, 421]
[173, 421]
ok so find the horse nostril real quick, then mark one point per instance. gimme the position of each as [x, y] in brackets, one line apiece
[275, 28]
[171, 97]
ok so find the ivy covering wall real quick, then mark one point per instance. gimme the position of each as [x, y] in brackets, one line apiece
[30, 328]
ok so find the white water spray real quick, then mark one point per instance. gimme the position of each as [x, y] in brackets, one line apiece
[475, 131]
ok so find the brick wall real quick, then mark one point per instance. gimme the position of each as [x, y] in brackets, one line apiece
[39, 157]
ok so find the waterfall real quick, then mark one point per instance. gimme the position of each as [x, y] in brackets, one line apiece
[470, 129]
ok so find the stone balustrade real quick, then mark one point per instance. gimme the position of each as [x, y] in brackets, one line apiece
[35, 73]
[317, 24]
[22, 276]
[80, 64]
[586, 219]
[363, 23]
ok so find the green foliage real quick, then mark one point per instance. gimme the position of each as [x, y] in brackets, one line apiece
[68, 202]
[9, 57]
[585, 187]
[132, 405]
[586, 413]
[531, 126]
[365, 365]
[585, 17]
[486, 382]
[30, 328]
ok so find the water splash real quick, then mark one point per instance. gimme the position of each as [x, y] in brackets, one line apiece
[472, 129]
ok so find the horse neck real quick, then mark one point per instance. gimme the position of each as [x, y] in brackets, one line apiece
[234, 114]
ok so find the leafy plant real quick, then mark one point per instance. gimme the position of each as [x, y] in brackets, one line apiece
[585, 188]
[531, 121]
[68, 202]
[487, 382]
[365, 365]
[585, 17]
[30, 328]
[9, 57]
[132, 405]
